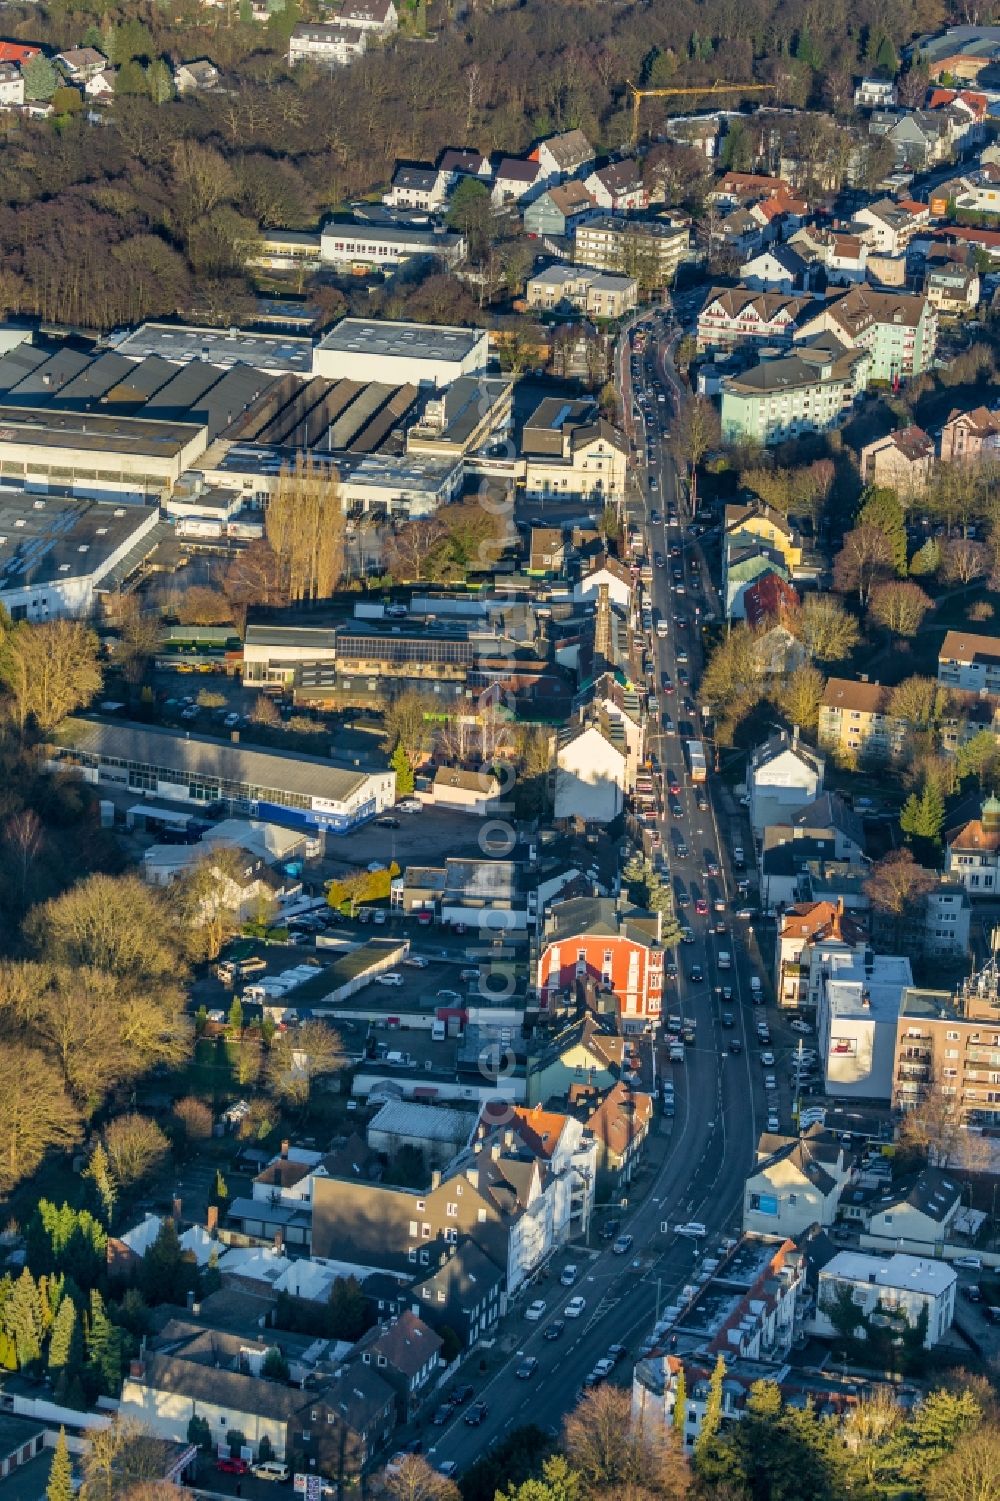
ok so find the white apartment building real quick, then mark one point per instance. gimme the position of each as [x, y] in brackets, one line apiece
[784, 775]
[857, 1011]
[971, 662]
[900, 1288]
[326, 45]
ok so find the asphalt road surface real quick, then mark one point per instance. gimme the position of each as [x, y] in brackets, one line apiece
[705, 1151]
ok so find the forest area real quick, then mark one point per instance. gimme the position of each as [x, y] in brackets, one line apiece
[151, 210]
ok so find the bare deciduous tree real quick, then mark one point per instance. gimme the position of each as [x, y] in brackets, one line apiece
[305, 527]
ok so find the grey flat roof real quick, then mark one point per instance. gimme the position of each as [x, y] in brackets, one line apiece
[416, 341]
[185, 342]
[391, 471]
[48, 538]
[307, 776]
[389, 234]
[322, 638]
[97, 431]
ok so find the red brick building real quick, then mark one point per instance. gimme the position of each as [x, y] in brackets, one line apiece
[613, 947]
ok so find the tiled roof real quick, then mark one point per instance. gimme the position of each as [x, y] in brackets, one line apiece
[852, 695]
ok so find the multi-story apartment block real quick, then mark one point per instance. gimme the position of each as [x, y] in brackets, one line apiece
[614, 946]
[647, 249]
[857, 1011]
[971, 435]
[948, 1045]
[734, 317]
[898, 330]
[902, 460]
[599, 294]
[970, 662]
[903, 1288]
[854, 720]
[972, 851]
[326, 45]
[811, 390]
[809, 934]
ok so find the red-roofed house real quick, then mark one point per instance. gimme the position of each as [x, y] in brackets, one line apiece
[619, 1125]
[18, 52]
[972, 852]
[808, 934]
[769, 599]
[768, 604]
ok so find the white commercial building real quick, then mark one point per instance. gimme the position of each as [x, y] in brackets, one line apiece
[857, 1010]
[898, 1289]
[57, 554]
[399, 354]
[355, 245]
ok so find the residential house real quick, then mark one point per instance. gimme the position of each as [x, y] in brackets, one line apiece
[809, 933]
[875, 93]
[380, 18]
[587, 1052]
[901, 461]
[515, 180]
[952, 289]
[571, 454]
[618, 187]
[784, 774]
[465, 1294]
[569, 1148]
[18, 52]
[904, 1290]
[419, 187]
[844, 258]
[741, 233]
[785, 866]
[11, 86]
[592, 774]
[748, 565]
[982, 196]
[465, 791]
[406, 1355]
[972, 851]
[937, 925]
[614, 946]
[486, 893]
[733, 317]
[756, 521]
[608, 572]
[599, 294]
[919, 1217]
[767, 605]
[795, 1183]
[734, 188]
[969, 661]
[811, 390]
[920, 138]
[343, 1428]
[101, 88]
[948, 1047]
[79, 64]
[854, 720]
[559, 210]
[619, 1125]
[197, 76]
[967, 112]
[899, 330]
[888, 228]
[464, 163]
[326, 45]
[563, 155]
[649, 249]
[857, 1010]
[972, 436]
[828, 816]
[777, 268]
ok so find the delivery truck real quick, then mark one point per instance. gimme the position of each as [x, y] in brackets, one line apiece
[696, 761]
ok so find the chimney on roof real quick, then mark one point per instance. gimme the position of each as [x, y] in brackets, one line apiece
[435, 1179]
[284, 1149]
[279, 1241]
[212, 1220]
[178, 1206]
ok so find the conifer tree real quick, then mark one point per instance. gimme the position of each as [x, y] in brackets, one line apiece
[60, 1486]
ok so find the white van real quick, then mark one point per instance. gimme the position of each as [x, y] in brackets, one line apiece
[725, 959]
[438, 1031]
[755, 984]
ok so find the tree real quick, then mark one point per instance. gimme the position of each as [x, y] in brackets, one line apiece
[194, 1118]
[116, 924]
[800, 696]
[136, 1147]
[712, 1420]
[60, 1486]
[297, 1058]
[900, 606]
[201, 605]
[166, 1273]
[50, 670]
[558, 1482]
[926, 560]
[978, 757]
[202, 900]
[923, 817]
[36, 1114]
[199, 1432]
[305, 527]
[881, 508]
[733, 680]
[828, 632]
[400, 763]
[23, 1320]
[347, 1310]
[412, 1478]
[865, 559]
[40, 78]
[121, 1460]
[612, 1453]
[406, 723]
[918, 701]
[897, 885]
[965, 561]
[695, 432]
[105, 1349]
[98, 1170]
[407, 548]
[679, 1416]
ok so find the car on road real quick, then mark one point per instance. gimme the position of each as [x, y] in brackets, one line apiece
[410, 805]
[654, 516]
[416, 961]
[569, 1274]
[231, 721]
[602, 1370]
[448, 995]
[968, 1263]
[767, 1059]
[770, 1082]
[611, 1229]
[701, 907]
[773, 1123]
[800, 1026]
[442, 1415]
[735, 1045]
[727, 1019]
[666, 684]
[696, 974]
[659, 559]
[476, 1414]
[230, 1464]
[461, 1394]
[389, 979]
[535, 1310]
[683, 677]
[553, 1330]
[712, 868]
[575, 1307]
[692, 1230]
[973, 1292]
[527, 1368]
[617, 1353]
[622, 1245]
[387, 823]
[448, 1468]
[674, 786]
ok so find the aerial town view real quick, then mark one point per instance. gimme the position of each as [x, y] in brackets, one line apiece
[499, 750]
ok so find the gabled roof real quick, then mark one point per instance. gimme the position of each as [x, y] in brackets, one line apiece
[830, 811]
[912, 443]
[406, 1343]
[17, 52]
[570, 197]
[621, 1118]
[514, 169]
[963, 646]
[569, 150]
[770, 598]
[538, 1128]
[620, 177]
[767, 305]
[851, 695]
[979, 420]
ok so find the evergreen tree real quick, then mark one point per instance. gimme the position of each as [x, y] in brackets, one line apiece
[400, 764]
[24, 1320]
[64, 1341]
[680, 1406]
[166, 1275]
[40, 78]
[712, 1421]
[105, 1349]
[60, 1486]
[923, 817]
[99, 1172]
[159, 81]
[236, 1016]
[882, 509]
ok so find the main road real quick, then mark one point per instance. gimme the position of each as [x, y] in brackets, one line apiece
[705, 1150]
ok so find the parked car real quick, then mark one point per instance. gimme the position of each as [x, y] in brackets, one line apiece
[800, 1026]
[568, 1275]
[271, 1469]
[442, 1415]
[461, 1394]
[231, 1464]
[622, 1245]
[389, 979]
[387, 823]
[968, 1263]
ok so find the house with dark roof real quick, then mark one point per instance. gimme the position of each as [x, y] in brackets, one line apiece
[613, 945]
[734, 317]
[796, 1182]
[784, 774]
[563, 155]
[406, 1354]
[587, 1050]
[417, 186]
[619, 1123]
[618, 186]
[897, 329]
[775, 268]
[854, 720]
[901, 460]
[516, 179]
[464, 1293]
[916, 1216]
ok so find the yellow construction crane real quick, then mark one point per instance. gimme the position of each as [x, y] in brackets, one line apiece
[638, 95]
